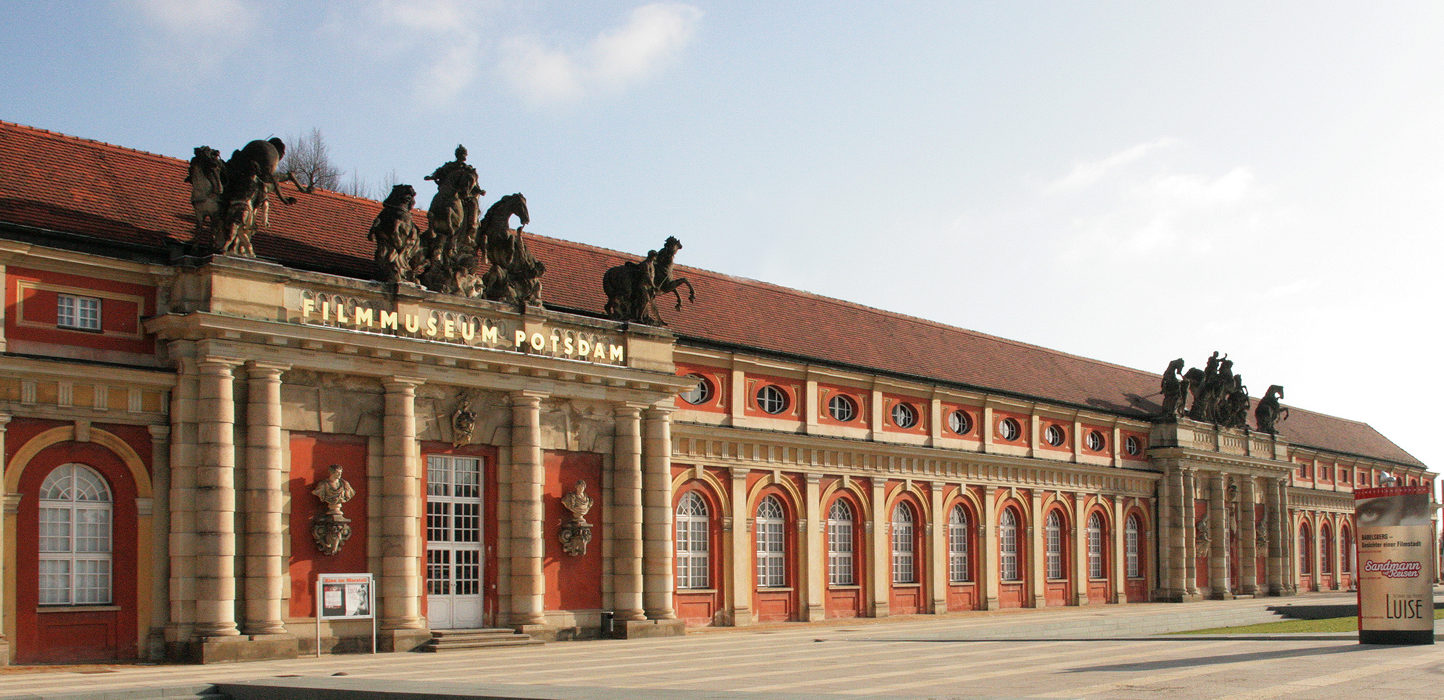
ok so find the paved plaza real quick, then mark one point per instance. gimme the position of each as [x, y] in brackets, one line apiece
[1105, 652]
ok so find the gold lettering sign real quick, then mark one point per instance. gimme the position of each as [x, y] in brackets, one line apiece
[460, 328]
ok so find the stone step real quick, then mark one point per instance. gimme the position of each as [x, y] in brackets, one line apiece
[432, 647]
[447, 640]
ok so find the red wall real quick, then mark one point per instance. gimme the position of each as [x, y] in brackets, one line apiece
[572, 583]
[311, 455]
[120, 318]
[698, 607]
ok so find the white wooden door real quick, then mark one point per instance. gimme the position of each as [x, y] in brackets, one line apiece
[453, 542]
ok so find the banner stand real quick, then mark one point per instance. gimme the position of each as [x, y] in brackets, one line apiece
[1396, 564]
[345, 597]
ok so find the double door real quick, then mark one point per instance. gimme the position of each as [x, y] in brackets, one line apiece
[454, 549]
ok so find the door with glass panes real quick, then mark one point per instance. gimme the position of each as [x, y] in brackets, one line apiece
[453, 542]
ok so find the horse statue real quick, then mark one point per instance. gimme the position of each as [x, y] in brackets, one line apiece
[1268, 414]
[514, 275]
[398, 245]
[1175, 389]
[1233, 407]
[451, 219]
[204, 176]
[229, 196]
[632, 288]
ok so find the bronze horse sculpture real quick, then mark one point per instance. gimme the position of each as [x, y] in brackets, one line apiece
[514, 274]
[398, 245]
[632, 287]
[1269, 413]
[229, 196]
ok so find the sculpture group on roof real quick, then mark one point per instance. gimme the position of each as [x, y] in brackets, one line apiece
[230, 201]
[1218, 396]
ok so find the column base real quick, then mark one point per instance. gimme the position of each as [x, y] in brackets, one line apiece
[741, 617]
[219, 650]
[815, 613]
[1176, 596]
[4, 652]
[647, 629]
[405, 639]
[1220, 595]
[991, 604]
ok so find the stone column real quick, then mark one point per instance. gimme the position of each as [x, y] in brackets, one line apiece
[1175, 524]
[265, 558]
[1247, 537]
[742, 580]
[4, 642]
[528, 593]
[1163, 581]
[881, 551]
[182, 535]
[1080, 549]
[1190, 532]
[1286, 540]
[627, 582]
[1334, 547]
[215, 501]
[1116, 561]
[160, 536]
[1037, 550]
[1218, 545]
[657, 502]
[938, 550]
[401, 538]
[1273, 522]
[988, 548]
[814, 556]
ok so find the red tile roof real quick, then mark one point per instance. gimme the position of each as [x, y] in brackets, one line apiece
[63, 183]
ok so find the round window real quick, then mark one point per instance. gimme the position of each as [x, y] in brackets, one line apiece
[1009, 430]
[772, 399]
[842, 408]
[1096, 441]
[700, 393]
[904, 415]
[960, 422]
[1055, 435]
[1132, 446]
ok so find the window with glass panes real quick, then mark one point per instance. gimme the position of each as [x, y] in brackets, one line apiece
[692, 542]
[771, 559]
[903, 568]
[1306, 552]
[75, 537]
[841, 569]
[1095, 546]
[77, 312]
[959, 570]
[1326, 551]
[1008, 546]
[1130, 545]
[1054, 548]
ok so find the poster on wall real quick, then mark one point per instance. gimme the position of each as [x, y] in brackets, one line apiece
[1396, 598]
[344, 596]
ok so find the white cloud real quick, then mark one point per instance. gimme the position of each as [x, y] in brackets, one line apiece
[193, 38]
[1086, 174]
[440, 41]
[613, 60]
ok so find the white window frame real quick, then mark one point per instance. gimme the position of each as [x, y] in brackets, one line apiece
[700, 393]
[904, 415]
[693, 526]
[1131, 547]
[1054, 546]
[1055, 435]
[74, 499]
[77, 312]
[904, 545]
[770, 529]
[1326, 552]
[1095, 547]
[1095, 441]
[959, 564]
[1306, 551]
[842, 408]
[960, 422]
[841, 555]
[772, 400]
[1009, 429]
[1008, 547]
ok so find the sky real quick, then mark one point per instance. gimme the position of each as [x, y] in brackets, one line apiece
[1126, 181]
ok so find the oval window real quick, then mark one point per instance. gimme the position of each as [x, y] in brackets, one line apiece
[1008, 429]
[960, 422]
[1096, 441]
[772, 399]
[904, 415]
[700, 393]
[1132, 446]
[1055, 435]
[842, 408]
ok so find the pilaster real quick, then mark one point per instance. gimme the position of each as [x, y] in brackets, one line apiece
[160, 541]
[1190, 533]
[1037, 546]
[1247, 536]
[938, 550]
[1080, 540]
[879, 551]
[742, 582]
[814, 553]
[1276, 543]
[988, 541]
[1218, 582]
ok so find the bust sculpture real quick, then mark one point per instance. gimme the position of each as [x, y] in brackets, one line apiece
[331, 528]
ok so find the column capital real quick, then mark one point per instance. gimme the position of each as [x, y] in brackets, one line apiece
[256, 367]
[739, 472]
[158, 432]
[218, 365]
[655, 412]
[527, 397]
[4, 420]
[628, 410]
[400, 384]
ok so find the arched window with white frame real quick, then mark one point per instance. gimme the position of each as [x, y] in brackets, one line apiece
[1306, 551]
[1131, 544]
[693, 524]
[1054, 545]
[904, 569]
[1095, 547]
[841, 561]
[1346, 549]
[959, 566]
[76, 510]
[771, 544]
[1326, 550]
[1008, 546]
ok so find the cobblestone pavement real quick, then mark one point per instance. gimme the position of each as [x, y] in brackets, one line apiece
[969, 655]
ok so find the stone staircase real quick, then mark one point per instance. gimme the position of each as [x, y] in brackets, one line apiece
[452, 640]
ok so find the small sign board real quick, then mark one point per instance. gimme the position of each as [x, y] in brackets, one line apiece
[1396, 572]
[345, 597]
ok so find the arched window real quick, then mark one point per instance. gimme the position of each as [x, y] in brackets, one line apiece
[1306, 551]
[771, 555]
[959, 568]
[1326, 551]
[1008, 546]
[75, 537]
[692, 542]
[1054, 548]
[841, 569]
[1346, 545]
[1095, 546]
[903, 570]
[1131, 547]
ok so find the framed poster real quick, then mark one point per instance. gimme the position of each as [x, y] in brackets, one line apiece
[345, 597]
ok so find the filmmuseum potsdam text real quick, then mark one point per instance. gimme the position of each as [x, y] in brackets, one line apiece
[210, 397]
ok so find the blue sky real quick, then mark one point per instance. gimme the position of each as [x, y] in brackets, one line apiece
[1129, 181]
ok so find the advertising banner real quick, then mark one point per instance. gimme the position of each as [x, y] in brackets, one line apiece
[1396, 598]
